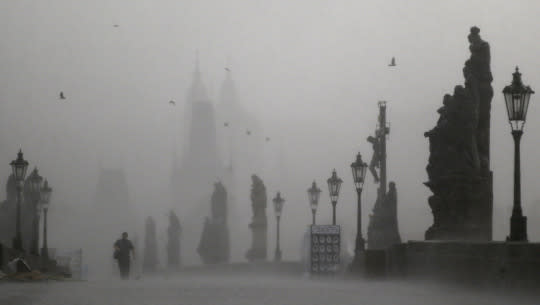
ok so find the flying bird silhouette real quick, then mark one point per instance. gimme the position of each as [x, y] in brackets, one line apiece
[248, 132]
[116, 25]
[62, 97]
[226, 124]
[172, 102]
[267, 139]
[227, 69]
[392, 62]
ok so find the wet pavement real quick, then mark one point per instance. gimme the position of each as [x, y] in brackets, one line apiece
[248, 290]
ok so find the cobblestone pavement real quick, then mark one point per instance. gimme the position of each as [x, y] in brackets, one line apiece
[238, 290]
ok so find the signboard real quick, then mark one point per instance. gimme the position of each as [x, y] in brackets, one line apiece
[325, 248]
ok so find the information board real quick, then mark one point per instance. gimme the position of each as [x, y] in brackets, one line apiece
[325, 248]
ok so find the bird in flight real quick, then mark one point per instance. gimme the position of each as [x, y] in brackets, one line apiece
[62, 97]
[172, 102]
[248, 132]
[116, 25]
[392, 62]
[226, 124]
[227, 69]
[267, 139]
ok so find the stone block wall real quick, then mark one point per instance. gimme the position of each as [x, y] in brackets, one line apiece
[501, 263]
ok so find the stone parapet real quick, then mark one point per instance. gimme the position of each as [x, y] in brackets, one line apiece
[491, 263]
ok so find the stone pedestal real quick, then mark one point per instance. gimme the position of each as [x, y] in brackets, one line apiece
[258, 249]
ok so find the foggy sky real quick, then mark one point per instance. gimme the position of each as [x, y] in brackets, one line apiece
[310, 71]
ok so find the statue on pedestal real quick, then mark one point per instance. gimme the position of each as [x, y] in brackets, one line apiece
[173, 245]
[258, 224]
[214, 245]
[150, 260]
[383, 230]
[458, 166]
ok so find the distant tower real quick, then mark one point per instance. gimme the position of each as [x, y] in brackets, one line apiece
[114, 214]
[199, 169]
[242, 153]
[113, 202]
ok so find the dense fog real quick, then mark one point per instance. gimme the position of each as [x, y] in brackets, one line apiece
[307, 77]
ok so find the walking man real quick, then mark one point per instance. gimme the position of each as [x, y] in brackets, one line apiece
[122, 248]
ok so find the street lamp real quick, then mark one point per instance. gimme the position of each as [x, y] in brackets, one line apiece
[359, 168]
[18, 167]
[278, 207]
[35, 181]
[517, 98]
[313, 196]
[45, 197]
[334, 184]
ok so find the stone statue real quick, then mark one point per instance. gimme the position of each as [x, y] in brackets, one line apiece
[174, 232]
[219, 203]
[375, 158]
[382, 231]
[150, 260]
[205, 248]
[214, 244]
[258, 224]
[458, 165]
[478, 78]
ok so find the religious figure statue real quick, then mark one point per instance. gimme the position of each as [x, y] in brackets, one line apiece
[258, 224]
[214, 244]
[173, 244]
[150, 260]
[219, 203]
[458, 165]
[382, 231]
[478, 78]
[205, 249]
[375, 158]
[258, 197]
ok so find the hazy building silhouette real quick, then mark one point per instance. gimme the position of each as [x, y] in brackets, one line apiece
[242, 155]
[199, 167]
[7, 213]
[113, 214]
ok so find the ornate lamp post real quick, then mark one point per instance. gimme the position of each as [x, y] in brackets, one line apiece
[35, 181]
[313, 196]
[334, 184]
[19, 167]
[359, 168]
[517, 97]
[278, 207]
[45, 197]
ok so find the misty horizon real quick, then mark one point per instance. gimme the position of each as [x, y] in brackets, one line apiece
[309, 74]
